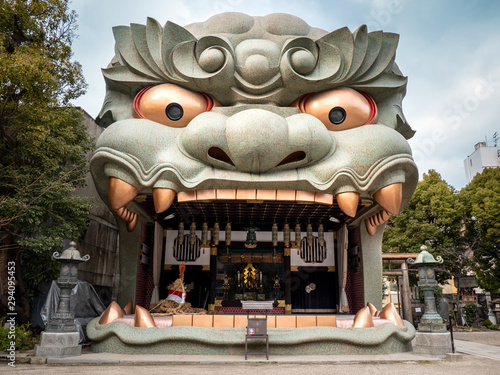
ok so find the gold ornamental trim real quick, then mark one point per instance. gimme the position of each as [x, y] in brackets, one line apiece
[167, 267]
[287, 252]
[250, 246]
[206, 267]
[218, 303]
[294, 268]
[288, 309]
[281, 303]
[213, 251]
[331, 269]
[211, 308]
[140, 198]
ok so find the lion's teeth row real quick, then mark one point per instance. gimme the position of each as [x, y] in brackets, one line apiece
[122, 193]
[374, 221]
[255, 195]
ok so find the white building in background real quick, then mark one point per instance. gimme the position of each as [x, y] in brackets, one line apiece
[483, 157]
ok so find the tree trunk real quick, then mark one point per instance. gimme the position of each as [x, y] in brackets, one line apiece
[24, 313]
[6, 255]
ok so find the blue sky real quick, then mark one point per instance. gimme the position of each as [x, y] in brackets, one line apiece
[449, 49]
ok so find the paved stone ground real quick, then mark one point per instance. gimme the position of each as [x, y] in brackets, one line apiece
[469, 365]
[483, 337]
[470, 342]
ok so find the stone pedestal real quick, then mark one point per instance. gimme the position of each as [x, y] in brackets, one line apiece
[432, 344]
[432, 326]
[56, 344]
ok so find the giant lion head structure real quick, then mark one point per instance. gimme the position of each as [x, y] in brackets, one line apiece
[255, 109]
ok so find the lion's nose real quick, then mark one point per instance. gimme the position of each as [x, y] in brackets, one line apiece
[256, 140]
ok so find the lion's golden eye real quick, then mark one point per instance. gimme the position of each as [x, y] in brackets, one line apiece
[341, 108]
[171, 105]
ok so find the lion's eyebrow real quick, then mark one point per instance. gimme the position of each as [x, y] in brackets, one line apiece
[151, 54]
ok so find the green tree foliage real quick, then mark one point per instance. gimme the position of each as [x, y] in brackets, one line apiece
[432, 217]
[481, 199]
[20, 334]
[470, 313]
[43, 145]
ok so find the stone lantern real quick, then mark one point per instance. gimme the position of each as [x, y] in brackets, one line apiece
[63, 320]
[431, 321]
[61, 335]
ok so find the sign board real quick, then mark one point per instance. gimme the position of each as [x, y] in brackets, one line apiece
[466, 282]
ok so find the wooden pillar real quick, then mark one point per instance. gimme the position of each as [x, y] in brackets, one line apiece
[288, 281]
[213, 280]
[407, 312]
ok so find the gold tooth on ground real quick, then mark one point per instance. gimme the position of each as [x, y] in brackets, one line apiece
[363, 318]
[391, 313]
[127, 309]
[373, 309]
[142, 318]
[113, 312]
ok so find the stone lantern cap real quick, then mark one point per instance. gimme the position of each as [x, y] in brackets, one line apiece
[425, 258]
[71, 254]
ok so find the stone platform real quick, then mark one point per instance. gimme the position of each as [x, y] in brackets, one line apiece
[121, 338]
[58, 344]
[436, 344]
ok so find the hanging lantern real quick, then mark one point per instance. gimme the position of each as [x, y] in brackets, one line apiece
[321, 236]
[228, 234]
[297, 235]
[192, 233]
[204, 233]
[225, 284]
[215, 234]
[286, 235]
[309, 235]
[276, 284]
[180, 234]
[275, 234]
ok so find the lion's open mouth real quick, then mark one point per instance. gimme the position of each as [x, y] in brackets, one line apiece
[318, 194]
[261, 206]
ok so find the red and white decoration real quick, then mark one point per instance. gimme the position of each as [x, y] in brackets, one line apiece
[176, 296]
